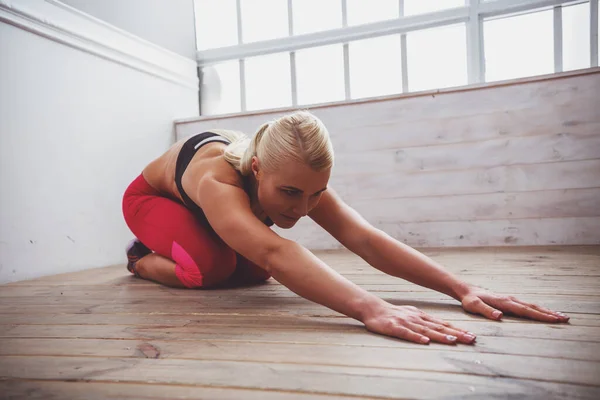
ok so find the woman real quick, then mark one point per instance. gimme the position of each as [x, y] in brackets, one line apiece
[203, 209]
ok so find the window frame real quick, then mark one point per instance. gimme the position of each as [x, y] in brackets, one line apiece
[473, 14]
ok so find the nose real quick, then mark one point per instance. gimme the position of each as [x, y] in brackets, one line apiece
[301, 208]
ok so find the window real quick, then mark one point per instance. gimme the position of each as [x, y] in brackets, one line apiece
[320, 74]
[517, 39]
[576, 36]
[413, 7]
[268, 81]
[215, 26]
[220, 89]
[362, 12]
[375, 66]
[263, 20]
[316, 15]
[437, 58]
[519, 46]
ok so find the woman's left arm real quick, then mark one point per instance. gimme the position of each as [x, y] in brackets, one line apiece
[398, 259]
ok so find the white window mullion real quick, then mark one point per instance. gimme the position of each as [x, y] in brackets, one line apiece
[594, 33]
[475, 59]
[238, 5]
[292, 57]
[558, 42]
[403, 51]
[243, 85]
[347, 93]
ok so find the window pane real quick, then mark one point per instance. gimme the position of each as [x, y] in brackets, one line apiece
[437, 57]
[363, 12]
[268, 81]
[375, 66]
[254, 27]
[519, 46]
[576, 36]
[220, 89]
[412, 7]
[316, 15]
[215, 26]
[320, 74]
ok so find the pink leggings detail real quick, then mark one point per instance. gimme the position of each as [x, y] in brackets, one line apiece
[171, 230]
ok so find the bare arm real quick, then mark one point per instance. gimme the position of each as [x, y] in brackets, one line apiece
[306, 275]
[227, 207]
[400, 260]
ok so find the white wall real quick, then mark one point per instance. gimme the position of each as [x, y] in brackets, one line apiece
[82, 110]
[167, 23]
[515, 163]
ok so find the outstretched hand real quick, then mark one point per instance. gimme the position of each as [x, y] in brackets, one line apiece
[414, 325]
[492, 306]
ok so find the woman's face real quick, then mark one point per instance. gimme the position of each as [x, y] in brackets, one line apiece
[291, 192]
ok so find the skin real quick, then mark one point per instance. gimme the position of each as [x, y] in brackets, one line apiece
[237, 207]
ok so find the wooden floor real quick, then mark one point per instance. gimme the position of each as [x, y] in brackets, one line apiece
[104, 334]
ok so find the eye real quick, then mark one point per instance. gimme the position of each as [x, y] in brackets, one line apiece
[289, 192]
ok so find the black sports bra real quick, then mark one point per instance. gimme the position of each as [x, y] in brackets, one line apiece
[187, 152]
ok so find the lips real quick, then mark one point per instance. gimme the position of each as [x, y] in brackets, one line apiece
[290, 218]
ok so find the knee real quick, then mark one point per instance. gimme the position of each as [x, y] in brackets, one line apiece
[203, 270]
[248, 272]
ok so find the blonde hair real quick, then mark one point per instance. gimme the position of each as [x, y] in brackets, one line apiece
[299, 136]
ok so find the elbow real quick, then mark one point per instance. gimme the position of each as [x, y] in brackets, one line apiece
[277, 256]
[367, 241]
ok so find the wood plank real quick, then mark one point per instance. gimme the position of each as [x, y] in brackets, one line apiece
[60, 390]
[288, 306]
[563, 203]
[548, 348]
[391, 291]
[507, 258]
[258, 318]
[506, 178]
[389, 285]
[278, 376]
[411, 359]
[508, 232]
[43, 318]
[326, 333]
[580, 142]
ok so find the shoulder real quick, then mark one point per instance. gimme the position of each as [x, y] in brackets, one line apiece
[209, 163]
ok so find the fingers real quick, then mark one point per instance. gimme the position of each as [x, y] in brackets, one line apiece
[476, 305]
[426, 328]
[410, 335]
[562, 317]
[534, 312]
[447, 329]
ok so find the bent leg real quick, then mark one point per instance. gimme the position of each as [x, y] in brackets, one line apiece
[157, 268]
[185, 251]
[248, 272]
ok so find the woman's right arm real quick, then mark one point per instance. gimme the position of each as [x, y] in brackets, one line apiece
[227, 208]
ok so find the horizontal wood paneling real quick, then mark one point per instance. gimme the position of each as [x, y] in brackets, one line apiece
[444, 169]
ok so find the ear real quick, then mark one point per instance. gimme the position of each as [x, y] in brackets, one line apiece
[255, 167]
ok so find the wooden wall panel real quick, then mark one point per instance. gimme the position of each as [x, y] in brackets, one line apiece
[516, 163]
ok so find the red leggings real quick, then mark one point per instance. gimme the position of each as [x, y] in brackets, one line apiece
[171, 230]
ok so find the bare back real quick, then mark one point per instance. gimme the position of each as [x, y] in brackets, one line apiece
[208, 160]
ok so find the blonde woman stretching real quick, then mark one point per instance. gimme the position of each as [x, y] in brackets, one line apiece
[201, 214]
